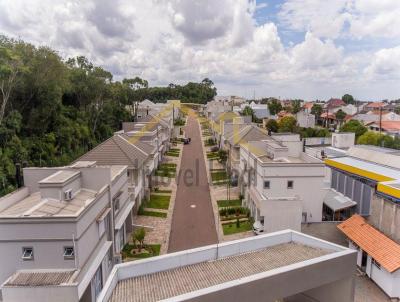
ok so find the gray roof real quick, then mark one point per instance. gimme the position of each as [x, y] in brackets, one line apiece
[337, 201]
[151, 118]
[145, 147]
[40, 278]
[35, 205]
[250, 133]
[116, 151]
[186, 279]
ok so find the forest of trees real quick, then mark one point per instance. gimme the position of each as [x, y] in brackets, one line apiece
[53, 110]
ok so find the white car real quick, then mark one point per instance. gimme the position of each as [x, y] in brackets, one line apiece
[258, 228]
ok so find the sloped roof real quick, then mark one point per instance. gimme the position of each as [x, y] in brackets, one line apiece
[40, 278]
[380, 247]
[151, 118]
[376, 105]
[146, 102]
[389, 125]
[335, 103]
[116, 151]
[308, 105]
[145, 147]
[251, 133]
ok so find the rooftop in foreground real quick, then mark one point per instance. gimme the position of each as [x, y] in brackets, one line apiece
[229, 269]
[174, 282]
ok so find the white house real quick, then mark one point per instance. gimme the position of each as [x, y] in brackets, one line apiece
[275, 179]
[61, 233]
[377, 255]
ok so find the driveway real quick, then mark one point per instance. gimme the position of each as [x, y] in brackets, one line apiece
[193, 222]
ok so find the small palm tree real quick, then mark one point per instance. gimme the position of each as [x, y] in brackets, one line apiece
[139, 236]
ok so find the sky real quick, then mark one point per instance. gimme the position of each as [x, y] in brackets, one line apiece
[309, 49]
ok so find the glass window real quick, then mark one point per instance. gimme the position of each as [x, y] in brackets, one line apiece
[266, 184]
[27, 253]
[290, 184]
[69, 252]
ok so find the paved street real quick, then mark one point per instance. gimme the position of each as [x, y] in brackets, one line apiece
[193, 222]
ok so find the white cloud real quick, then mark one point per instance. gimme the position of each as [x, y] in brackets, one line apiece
[187, 40]
[338, 18]
[385, 64]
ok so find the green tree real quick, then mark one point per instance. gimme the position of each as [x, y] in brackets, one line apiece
[296, 106]
[248, 111]
[11, 65]
[274, 106]
[139, 236]
[287, 124]
[348, 99]
[316, 110]
[369, 138]
[340, 115]
[272, 125]
[354, 126]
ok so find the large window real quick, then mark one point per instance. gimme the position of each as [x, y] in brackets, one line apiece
[290, 184]
[267, 184]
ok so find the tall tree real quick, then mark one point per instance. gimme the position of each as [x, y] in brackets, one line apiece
[287, 124]
[274, 106]
[348, 99]
[11, 65]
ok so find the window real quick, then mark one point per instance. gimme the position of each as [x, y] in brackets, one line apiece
[116, 202]
[27, 253]
[266, 184]
[69, 252]
[290, 184]
[376, 264]
[116, 206]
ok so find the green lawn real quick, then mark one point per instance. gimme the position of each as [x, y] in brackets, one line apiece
[153, 250]
[158, 202]
[162, 191]
[229, 203]
[173, 154]
[212, 155]
[154, 214]
[230, 228]
[219, 176]
[168, 165]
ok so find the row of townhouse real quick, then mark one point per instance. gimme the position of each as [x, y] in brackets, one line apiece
[368, 180]
[63, 231]
[275, 172]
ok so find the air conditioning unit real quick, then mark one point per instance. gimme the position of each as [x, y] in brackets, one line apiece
[68, 195]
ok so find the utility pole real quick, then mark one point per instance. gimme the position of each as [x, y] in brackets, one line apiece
[380, 120]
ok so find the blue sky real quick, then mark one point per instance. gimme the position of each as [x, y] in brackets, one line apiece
[288, 48]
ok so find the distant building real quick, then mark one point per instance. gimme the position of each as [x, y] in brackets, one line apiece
[391, 128]
[305, 119]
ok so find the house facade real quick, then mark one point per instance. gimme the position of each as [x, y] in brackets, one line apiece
[275, 179]
[63, 231]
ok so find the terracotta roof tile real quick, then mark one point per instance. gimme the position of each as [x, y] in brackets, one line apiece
[380, 247]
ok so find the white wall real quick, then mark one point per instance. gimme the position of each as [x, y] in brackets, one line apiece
[303, 177]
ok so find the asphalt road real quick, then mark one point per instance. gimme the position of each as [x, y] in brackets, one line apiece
[193, 222]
